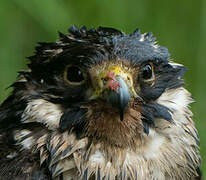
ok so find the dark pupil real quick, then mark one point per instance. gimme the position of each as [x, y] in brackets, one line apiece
[74, 74]
[147, 72]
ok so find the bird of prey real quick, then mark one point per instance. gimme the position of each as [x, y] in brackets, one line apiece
[99, 104]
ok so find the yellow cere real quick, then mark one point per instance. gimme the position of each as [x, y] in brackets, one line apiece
[118, 71]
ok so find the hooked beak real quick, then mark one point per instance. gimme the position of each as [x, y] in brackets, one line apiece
[120, 98]
[115, 85]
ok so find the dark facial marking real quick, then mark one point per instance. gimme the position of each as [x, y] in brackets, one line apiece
[72, 117]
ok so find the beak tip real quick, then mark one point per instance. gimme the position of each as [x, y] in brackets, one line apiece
[121, 116]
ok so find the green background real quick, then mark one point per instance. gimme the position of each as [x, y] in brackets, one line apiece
[179, 25]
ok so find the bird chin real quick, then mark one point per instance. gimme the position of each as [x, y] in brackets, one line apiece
[104, 125]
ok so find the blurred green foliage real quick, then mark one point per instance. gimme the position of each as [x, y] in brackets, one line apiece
[178, 25]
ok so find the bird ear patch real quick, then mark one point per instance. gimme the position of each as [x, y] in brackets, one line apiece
[71, 118]
[179, 68]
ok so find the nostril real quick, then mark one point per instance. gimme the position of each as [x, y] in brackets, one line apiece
[104, 80]
[112, 83]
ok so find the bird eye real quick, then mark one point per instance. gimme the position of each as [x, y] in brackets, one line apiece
[74, 75]
[147, 72]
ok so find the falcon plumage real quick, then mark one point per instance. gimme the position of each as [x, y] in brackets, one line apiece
[99, 104]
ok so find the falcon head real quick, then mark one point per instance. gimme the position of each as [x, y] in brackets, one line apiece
[107, 103]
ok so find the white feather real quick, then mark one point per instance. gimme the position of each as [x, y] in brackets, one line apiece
[40, 110]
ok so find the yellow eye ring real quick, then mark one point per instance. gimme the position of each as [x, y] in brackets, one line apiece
[74, 75]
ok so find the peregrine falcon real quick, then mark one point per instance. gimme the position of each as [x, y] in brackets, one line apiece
[99, 104]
